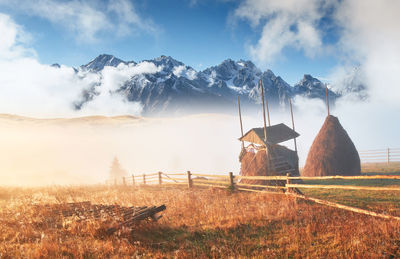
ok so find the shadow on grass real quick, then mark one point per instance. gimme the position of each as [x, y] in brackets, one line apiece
[244, 239]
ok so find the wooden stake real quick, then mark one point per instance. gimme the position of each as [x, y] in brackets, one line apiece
[327, 99]
[265, 125]
[231, 180]
[388, 155]
[159, 178]
[288, 182]
[291, 113]
[240, 118]
[266, 102]
[144, 178]
[263, 106]
[189, 176]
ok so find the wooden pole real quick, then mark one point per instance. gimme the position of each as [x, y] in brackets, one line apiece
[240, 118]
[263, 106]
[388, 155]
[133, 180]
[287, 182]
[291, 113]
[189, 176]
[144, 178]
[265, 124]
[327, 99]
[266, 103]
[159, 178]
[231, 180]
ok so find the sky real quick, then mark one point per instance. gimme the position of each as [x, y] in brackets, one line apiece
[327, 39]
[198, 33]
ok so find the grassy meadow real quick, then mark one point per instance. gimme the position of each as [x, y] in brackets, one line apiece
[200, 222]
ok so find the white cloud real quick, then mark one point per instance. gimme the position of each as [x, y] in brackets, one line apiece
[183, 71]
[369, 39]
[30, 88]
[87, 20]
[285, 23]
[109, 101]
[13, 39]
[129, 19]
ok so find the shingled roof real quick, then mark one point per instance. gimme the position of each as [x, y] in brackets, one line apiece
[275, 134]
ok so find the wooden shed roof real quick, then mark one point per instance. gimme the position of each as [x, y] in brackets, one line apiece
[275, 134]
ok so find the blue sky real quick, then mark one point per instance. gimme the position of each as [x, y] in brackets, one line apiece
[326, 39]
[198, 33]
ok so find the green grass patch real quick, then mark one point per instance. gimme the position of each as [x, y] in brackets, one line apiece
[378, 201]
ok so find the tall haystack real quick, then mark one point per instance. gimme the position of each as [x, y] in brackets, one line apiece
[257, 164]
[265, 157]
[332, 152]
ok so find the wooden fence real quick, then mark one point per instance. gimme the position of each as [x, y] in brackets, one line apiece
[386, 155]
[283, 185]
[235, 182]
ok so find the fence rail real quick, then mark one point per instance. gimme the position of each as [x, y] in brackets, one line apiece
[386, 155]
[284, 184]
[249, 183]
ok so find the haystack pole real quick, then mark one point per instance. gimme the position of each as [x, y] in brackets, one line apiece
[240, 118]
[265, 123]
[263, 106]
[266, 103]
[291, 113]
[327, 99]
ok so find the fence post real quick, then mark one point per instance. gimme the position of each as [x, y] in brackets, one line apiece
[144, 178]
[159, 178]
[133, 180]
[287, 182]
[189, 175]
[388, 155]
[231, 180]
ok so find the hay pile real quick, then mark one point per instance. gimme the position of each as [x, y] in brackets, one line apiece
[258, 165]
[332, 152]
[255, 165]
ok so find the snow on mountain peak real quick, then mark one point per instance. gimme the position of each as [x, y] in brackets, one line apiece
[183, 71]
[101, 61]
[164, 84]
[313, 88]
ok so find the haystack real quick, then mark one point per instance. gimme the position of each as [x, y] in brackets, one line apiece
[332, 152]
[280, 161]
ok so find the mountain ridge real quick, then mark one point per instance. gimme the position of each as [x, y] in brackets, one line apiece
[174, 87]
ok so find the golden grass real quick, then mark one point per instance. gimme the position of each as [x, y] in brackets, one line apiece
[392, 167]
[200, 223]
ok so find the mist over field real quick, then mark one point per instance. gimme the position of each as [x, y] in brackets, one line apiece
[36, 152]
[77, 151]
[80, 150]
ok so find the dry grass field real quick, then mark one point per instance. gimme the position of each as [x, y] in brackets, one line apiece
[200, 223]
[381, 168]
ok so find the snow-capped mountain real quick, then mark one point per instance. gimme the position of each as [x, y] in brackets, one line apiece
[352, 84]
[173, 87]
[313, 88]
[101, 61]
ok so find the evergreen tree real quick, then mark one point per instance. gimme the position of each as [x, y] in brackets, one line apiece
[116, 171]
